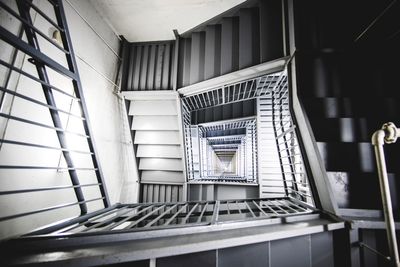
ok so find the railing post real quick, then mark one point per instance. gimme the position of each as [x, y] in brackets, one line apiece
[388, 134]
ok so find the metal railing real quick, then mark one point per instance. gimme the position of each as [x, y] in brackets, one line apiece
[275, 87]
[282, 170]
[387, 135]
[47, 99]
[232, 92]
[295, 182]
[188, 142]
[153, 216]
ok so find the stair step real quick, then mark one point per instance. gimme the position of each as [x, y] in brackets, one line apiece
[344, 129]
[360, 157]
[355, 73]
[347, 107]
[159, 151]
[153, 107]
[157, 137]
[160, 164]
[162, 177]
[360, 190]
[162, 95]
[156, 123]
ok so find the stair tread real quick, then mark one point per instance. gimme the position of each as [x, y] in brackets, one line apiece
[341, 107]
[355, 156]
[161, 176]
[153, 107]
[159, 151]
[157, 137]
[159, 123]
[161, 164]
[344, 129]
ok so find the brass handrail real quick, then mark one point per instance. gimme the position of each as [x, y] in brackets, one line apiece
[387, 135]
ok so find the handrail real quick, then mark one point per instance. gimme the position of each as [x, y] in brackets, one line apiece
[387, 135]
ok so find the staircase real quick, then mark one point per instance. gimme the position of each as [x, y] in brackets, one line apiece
[157, 137]
[343, 120]
[242, 37]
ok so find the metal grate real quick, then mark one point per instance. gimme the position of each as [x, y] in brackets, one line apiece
[86, 182]
[139, 217]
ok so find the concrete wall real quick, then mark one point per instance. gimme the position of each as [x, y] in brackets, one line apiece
[107, 115]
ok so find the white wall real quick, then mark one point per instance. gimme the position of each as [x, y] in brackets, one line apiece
[106, 112]
[153, 20]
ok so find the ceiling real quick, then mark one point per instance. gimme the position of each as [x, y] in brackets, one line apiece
[151, 20]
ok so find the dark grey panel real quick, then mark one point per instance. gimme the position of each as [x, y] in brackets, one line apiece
[132, 59]
[166, 68]
[136, 68]
[369, 258]
[158, 67]
[161, 193]
[144, 263]
[291, 252]
[150, 66]
[322, 250]
[187, 45]
[174, 193]
[212, 61]
[197, 57]
[180, 193]
[249, 47]
[144, 66]
[271, 33]
[239, 109]
[218, 113]
[194, 192]
[171, 64]
[156, 193]
[254, 255]
[232, 191]
[202, 259]
[208, 192]
[229, 44]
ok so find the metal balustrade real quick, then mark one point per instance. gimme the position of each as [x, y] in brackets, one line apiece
[295, 182]
[212, 137]
[230, 93]
[153, 216]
